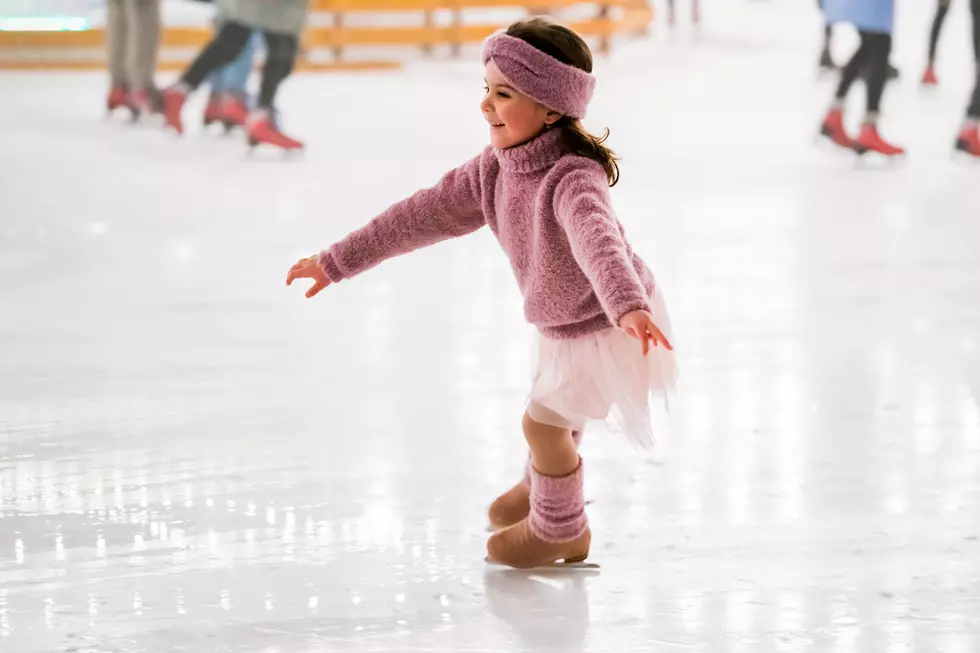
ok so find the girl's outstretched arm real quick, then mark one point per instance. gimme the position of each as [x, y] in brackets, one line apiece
[453, 207]
[584, 210]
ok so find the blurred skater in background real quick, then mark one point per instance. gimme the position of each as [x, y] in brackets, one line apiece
[133, 35]
[826, 58]
[968, 139]
[942, 9]
[228, 101]
[874, 20]
[827, 63]
[280, 23]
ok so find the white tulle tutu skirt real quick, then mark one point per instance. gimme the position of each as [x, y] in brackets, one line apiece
[605, 377]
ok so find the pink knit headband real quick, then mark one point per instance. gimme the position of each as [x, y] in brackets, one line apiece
[558, 86]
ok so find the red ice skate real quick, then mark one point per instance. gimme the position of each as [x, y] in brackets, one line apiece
[870, 141]
[969, 141]
[833, 128]
[234, 111]
[118, 99]
[228, 109]
[146, 100]
[173, 100]
[213, 112]
[262, 128]
[929, 77]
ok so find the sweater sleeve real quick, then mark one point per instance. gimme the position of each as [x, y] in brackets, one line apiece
[584, 210]
[449, 209]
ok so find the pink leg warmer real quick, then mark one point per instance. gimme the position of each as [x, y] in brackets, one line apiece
[576, 436]
[557, 506]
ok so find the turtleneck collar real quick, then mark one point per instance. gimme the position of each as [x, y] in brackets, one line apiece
[537, 154]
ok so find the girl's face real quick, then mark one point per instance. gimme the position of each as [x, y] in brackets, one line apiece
[514, 118]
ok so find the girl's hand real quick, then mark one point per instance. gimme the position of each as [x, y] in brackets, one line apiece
[309, 268]
[639, 324]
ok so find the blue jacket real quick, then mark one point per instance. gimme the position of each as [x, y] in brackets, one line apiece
[867, 15]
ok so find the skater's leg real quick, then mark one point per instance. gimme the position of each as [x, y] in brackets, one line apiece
[969, 137]
[878, 53]
[556, 528]
[828, 29]
[553, 451]
[117, 37]
[236, 74]
[228, 101]
[879, 49]
[281, 50]
[867, 62]
[280, 57]
[853, 68]
[514, 505]
[942, 9]
[222, 50]
[216, 80]
[975, 12]
[144, 34]
[973, 111]
[826, 58]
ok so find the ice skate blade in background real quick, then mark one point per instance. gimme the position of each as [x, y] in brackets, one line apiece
[262, 128]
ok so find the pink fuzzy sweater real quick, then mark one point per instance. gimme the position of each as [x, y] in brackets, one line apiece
[551, 212]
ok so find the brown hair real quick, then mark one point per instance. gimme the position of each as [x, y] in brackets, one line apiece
[568, 47]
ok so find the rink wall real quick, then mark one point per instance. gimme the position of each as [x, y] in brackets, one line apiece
[341, 34]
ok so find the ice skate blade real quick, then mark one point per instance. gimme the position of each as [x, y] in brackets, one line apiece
[825, 137]
[962, 149]
[253, 142]
[864, 152]
[551, 565]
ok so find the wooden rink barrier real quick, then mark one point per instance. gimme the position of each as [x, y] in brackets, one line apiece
[333, 33]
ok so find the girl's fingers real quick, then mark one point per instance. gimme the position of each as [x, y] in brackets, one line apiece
[294, 275]
[293, 272]
[315, 288]
[305, 269]
[642, 336]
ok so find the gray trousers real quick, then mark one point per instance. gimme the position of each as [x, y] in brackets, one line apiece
[133, 29]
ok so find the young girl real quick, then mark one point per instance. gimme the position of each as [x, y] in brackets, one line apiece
[874, 20]
[542, 189]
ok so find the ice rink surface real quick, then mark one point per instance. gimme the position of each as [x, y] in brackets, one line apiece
[195, 458]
